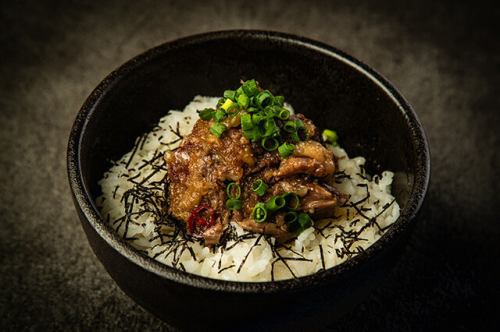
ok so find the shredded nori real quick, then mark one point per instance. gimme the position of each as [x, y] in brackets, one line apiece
[149, 196]
[322, 257]
[226, 268]
[248, 253]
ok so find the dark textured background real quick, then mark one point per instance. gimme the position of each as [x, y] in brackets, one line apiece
[444, 58]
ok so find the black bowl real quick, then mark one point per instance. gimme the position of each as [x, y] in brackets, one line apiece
[328, 86]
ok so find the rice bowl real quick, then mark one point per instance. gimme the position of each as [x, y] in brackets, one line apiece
[370, 211]
[335, 89]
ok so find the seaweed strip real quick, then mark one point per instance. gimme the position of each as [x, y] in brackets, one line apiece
[248, 253]
[322, 257]
[176, 131]
[286, 264]
[114, 192]
[226, 268]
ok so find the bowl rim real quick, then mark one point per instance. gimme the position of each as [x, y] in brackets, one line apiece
[86, 205]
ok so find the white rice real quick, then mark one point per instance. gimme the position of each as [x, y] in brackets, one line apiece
[329, 243]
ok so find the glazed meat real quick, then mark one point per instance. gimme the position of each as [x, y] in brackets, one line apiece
[197, 171]
[309, 157]
[239, 165]
[316, 199]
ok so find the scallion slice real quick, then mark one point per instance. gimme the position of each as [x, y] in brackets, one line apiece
[330, 136]
[305, 221]
[259, 213]
[259, 187]
[275, 203]
[206, 114]
[290, 217]
[270, 128]
[246, 122]
[270, 111]
[279, 100]
[239, 91]
[284, 114]
[290, 126]
[250, 88]
[230, 94]
[219, 115]
[252, 134]
[217, 129]
[264, 99]
[257, 118]
[243, 100]
[285, 149]
[233, 109]
[292, 201]
[233, 190]
[233, 204]
[269, 143]
[227, 104]
[302, 133]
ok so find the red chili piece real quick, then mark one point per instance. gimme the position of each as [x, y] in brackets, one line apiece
[196, 218]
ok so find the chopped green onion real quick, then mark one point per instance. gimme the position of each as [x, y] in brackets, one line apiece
[302, 223]
[275, 203]
[246, 122]
[233, 109]
[284, 114]
[252, 134]
[286, 149]
[299, 124]
[305, 221]
[302, 134]
[264, 99]
[217, 129]
[250, 88]
[233, 190]
[270, 128]
[227, 104]
[290, 126]
[230, 94]
[270, 143]
[279, 100]
[259, 213]
[243, 100]
[206, 114]
[330, 136]
[220, 102]
[257, 118]
[252, 110]
[292, 201]
[219, 115]
[233, 204]
[290, 217]
[239, 91]
[259, 187]
[270, 112]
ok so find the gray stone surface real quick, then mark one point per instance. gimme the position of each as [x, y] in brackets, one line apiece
[445, 58]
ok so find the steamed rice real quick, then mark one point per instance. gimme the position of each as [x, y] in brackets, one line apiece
[248, 256]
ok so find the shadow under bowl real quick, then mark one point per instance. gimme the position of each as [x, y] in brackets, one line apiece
[330, 87]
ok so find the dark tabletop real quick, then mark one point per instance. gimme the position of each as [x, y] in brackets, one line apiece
[444, 58]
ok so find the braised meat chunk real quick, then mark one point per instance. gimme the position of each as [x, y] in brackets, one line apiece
[251, 162]
[196, 172]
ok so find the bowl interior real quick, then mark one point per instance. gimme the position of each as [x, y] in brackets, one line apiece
[336, 92]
